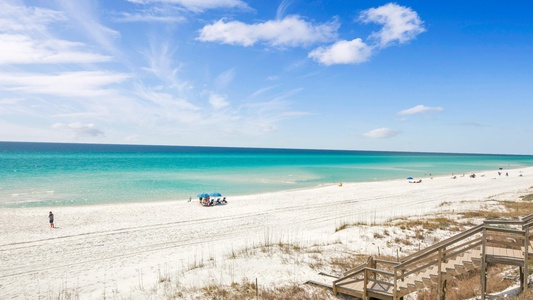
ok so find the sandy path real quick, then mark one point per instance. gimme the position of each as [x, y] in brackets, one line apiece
[119, 249]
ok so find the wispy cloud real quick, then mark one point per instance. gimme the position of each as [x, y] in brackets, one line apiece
[197, 5]
[289, 31]
[420, 109]
[168, 102]
[154, 14]
[282, 7]
[261, 91]
[80, 130]
[17, 18]
[400, 24]
[21, 49]
[84, 15]
[25, 39]
[68, 84]
[162, 64]
[381, 133]
[224, 79]
[218, 101]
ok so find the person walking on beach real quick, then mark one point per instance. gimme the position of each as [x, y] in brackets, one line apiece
[51, 217]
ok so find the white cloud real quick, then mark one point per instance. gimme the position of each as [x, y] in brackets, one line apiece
[169, 102]
[198, 5]
[224, 79]
[290, 31]
[381, 133]
[162, 64]
[149, 16]
[420, 109]
[19, 18]
[21, 49]
[85, 16]
[80, 130]
[400, 23]
[218, 101]
[69, 84]
[282, 7]
[342, 52]
[25, 38]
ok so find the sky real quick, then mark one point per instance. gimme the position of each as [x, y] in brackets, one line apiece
[425, 76]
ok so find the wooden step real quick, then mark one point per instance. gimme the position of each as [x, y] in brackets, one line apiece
[451, 272]
[469, 265]
[460, 269]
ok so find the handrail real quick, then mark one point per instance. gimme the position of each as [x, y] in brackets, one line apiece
[445, 251]
[502, 222]
[528, 224]
[506, 230]
[378, 271]
[527, 217]
[358, 268]
[443, 243]
[387, 262]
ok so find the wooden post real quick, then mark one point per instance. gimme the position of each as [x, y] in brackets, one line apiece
[395, 292]
[439, 275]
[442, 281]
[526, 259]
[374, 266]
[483, 264]
[365, 283]
[444, 289]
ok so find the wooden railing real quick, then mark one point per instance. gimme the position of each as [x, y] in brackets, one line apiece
[431, 261]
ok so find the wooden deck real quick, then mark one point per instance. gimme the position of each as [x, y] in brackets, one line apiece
[489, 243]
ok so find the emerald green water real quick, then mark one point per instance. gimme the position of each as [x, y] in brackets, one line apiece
[40, 174]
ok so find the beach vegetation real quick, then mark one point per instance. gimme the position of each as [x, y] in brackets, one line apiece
[528, 197]
[445, 203]
[467, 285]
[346, 225]
[510, 209]
[429, 224]
[248, 289]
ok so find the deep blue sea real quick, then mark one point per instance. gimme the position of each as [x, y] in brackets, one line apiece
[49, 174]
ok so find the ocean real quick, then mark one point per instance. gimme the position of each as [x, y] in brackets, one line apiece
[55, 174]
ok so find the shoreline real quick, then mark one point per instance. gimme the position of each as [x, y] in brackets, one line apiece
[115, 247]
[508, 168]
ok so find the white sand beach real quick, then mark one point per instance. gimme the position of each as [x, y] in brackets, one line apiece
[136, 250]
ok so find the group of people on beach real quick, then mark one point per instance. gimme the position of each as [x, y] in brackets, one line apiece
[208, 201]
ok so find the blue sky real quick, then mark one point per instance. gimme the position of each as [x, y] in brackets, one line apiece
[437, 76]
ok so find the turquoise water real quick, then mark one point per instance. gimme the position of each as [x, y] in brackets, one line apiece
[41, 174]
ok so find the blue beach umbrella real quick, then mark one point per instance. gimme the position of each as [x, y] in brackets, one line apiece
[203, 195]
[409, 178]
[215, 194]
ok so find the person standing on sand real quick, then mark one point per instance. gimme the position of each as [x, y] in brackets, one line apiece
[51, 217]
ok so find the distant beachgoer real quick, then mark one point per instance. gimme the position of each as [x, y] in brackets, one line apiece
[506, 174]
[51, 217]
[190, 199]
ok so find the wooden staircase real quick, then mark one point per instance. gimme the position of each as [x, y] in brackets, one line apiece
[493, 242]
